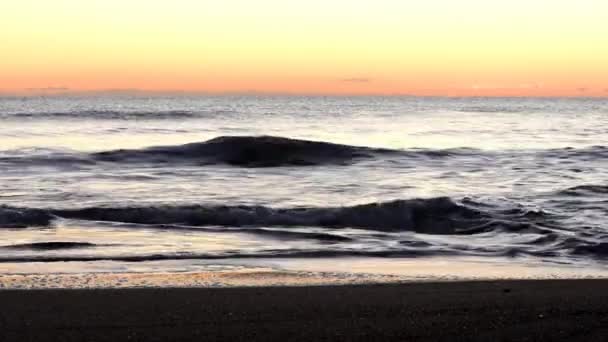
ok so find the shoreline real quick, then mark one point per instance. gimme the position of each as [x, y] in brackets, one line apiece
[523, 310]
[283, 272]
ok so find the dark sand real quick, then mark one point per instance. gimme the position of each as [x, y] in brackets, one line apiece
[551, 310]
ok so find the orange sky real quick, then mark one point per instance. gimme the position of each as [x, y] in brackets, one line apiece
[430, 47]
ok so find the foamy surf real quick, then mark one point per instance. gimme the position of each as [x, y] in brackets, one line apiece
[373, 230]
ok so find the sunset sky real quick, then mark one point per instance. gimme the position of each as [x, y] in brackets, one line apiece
[430, 47]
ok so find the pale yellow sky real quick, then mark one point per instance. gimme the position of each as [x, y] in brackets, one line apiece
[426, 47]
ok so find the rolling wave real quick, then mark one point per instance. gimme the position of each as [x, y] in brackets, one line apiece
[434, 216]
[374, 229]
[439, 215]
[45, 246]
[23, 217]
[590, 153]
[594, 250]
[249, 151]
[585, 190]
[273, 151]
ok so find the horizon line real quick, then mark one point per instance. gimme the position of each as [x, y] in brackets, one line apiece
[65, 91]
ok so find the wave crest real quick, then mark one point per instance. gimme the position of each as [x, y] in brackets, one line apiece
[55, 245]
[274, 151]
[439, 215]
[250, 151]
[432, 216]
[583, 190]
[22, 218]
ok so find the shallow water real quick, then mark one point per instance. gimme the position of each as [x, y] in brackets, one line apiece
[96, 179]
[279, 272]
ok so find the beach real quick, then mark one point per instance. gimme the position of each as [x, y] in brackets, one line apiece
[527, 310]
[273, 170]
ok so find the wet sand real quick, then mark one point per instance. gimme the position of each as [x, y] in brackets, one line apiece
[537, 310]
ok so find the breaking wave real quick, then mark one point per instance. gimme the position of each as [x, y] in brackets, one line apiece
[440, 215]
[433, 216]
[597, 250]
[374, 229]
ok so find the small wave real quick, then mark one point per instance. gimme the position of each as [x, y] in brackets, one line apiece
[433, 216]
[22, 218]
[293, 253]
[403, 252]
[269, 151]
[440, 215]
[440, 153]
[599, 249]
[240, 151]
[583, 190]
[495, 109]
[591, 153]
[45, 246]
[249, 151]
[50, 159]
[274, 151]
[373, 229]
[270, 232]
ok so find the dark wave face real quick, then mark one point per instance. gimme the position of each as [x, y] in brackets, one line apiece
[238, 151]
[21, 218]
[249, 151]
[585, 190]
[379, 227]
[592, 153]
[432, 216]
[45, 246]
[271, 151]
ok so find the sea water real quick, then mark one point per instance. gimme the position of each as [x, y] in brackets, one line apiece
[136, 179]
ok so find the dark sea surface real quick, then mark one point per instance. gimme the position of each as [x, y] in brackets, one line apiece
[211, 178]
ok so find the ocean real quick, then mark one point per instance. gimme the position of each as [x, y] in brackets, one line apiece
[135, 180]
